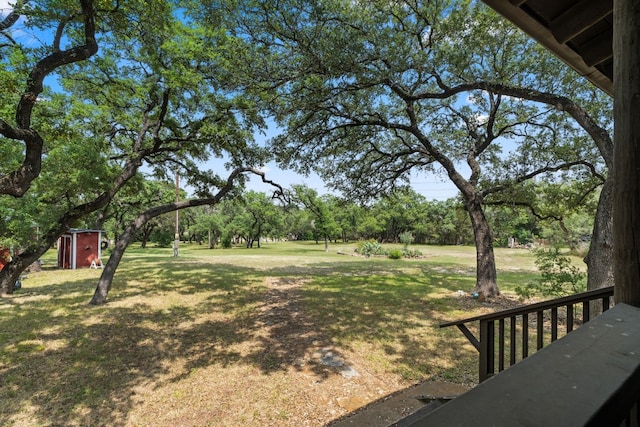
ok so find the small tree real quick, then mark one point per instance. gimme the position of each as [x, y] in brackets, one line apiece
[324, 223]
[558, 276]
[406, 238]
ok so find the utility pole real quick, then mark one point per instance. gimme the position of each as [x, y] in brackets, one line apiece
[176, 236]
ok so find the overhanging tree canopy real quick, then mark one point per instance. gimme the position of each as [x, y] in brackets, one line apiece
[160, 92]
[74, 40]
[369, 93]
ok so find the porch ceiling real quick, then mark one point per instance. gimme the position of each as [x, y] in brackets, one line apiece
[580, 32]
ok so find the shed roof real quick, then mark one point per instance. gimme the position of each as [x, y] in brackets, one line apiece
[580, 32]
[83, 230]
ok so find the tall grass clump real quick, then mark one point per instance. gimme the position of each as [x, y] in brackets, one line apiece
[406, 239]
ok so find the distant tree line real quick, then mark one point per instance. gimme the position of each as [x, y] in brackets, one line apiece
[306, 215]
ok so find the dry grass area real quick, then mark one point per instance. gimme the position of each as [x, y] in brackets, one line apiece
[284, 383]
[224, 340]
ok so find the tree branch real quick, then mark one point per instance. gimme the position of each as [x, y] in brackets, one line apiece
[18, 182]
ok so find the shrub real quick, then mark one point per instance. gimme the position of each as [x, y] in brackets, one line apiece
[395, 254]
[411, 253]
[369, 248]
[163, 238]
[225, 242]
[558, 276]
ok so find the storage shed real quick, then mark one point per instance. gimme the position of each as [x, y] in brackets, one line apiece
[79, 248]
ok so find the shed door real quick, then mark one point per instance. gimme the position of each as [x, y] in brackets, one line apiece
[64, 252]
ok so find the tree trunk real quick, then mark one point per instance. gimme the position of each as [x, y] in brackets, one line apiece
[567, 236]
[146, 235]
[486, 276]
[11, 272]
[8, 277]
[104, 285]
[326, 243]
[599, 259]
[626, 211]
[106, 278]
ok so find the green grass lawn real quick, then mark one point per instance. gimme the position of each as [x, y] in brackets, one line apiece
[176, 329]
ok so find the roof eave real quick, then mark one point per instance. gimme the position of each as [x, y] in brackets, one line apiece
[543, 36]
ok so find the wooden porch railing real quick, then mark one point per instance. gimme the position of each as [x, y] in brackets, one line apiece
[508, 336]
[590, 377]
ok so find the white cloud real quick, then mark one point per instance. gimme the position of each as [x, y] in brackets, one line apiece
[6, 7]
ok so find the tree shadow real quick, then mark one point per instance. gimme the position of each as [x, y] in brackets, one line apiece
[401, 314]
[68, 363]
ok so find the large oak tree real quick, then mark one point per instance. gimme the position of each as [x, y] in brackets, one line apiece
[161, 93]
[369, 93]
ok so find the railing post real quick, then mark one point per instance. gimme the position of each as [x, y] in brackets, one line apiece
[512, 341]
[500, 345]
[487, 344]
[586, 312]
[539, 329]
[525, 336]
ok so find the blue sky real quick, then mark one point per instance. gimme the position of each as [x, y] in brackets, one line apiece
[432, 187]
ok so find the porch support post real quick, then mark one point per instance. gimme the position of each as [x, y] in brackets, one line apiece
[626, 170]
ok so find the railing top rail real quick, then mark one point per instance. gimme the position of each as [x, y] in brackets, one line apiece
[532, 308]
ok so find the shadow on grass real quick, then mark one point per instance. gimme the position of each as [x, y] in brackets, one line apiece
[399, 313]
[63, 362]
